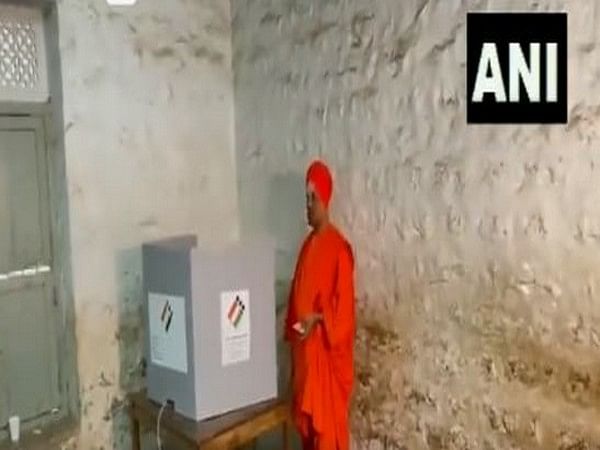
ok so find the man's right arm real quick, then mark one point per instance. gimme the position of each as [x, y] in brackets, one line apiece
[339, 314]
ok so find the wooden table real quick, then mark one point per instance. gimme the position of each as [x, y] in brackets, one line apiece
[228, 431]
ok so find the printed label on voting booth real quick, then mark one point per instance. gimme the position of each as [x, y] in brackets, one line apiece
[517, 68]
[168, 346]
[235, 327]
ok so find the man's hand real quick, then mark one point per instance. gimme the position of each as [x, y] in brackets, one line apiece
[308, 324]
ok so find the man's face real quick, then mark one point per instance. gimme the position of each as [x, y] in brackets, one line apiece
[314, 207]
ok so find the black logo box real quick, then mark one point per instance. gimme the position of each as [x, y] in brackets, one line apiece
[524, 28]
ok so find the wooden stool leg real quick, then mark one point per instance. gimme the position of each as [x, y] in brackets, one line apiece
[286, 436]
[135, 433]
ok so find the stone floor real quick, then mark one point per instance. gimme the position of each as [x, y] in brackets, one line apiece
[52, 438]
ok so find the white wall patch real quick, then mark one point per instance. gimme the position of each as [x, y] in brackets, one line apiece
[121, 2]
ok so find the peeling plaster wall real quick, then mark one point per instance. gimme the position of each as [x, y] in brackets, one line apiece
[477, 246]
[148, 114]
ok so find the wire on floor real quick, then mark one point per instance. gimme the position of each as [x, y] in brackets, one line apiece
[160, 413]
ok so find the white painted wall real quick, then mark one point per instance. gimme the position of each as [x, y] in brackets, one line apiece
[477, 246]
[148, 112]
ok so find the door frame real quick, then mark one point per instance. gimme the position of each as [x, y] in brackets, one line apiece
[47, 119]
[52, 115]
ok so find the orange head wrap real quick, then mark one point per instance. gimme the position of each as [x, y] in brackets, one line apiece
[319, 176]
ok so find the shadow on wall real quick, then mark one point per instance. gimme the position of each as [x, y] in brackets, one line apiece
[274, 205]
[130, 336]
[286, 219]
[286, 223]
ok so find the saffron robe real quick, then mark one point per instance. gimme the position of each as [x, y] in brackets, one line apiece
[323, 372]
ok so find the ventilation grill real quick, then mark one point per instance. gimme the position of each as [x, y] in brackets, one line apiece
[22, 57]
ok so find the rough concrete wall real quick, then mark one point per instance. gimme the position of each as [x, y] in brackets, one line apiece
[477, 246]
[148, 113]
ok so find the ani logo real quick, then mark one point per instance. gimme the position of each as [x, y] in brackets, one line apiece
[517, 68]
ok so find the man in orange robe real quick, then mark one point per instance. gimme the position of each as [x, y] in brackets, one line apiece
[320, 324]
